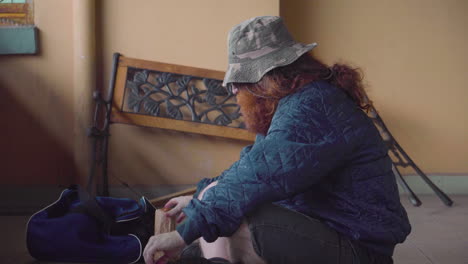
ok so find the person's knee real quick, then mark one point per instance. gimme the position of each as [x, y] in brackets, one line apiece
[241, 247]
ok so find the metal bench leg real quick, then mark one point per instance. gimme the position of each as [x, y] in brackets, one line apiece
[412, 196]
[447, 201]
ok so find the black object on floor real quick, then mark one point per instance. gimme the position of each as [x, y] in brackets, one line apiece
[403, 160]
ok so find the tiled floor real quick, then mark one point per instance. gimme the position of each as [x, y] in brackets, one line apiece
[440, 235]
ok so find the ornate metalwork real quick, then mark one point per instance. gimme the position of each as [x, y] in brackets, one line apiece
[180, 97]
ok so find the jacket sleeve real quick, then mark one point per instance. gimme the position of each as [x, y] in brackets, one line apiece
[207, 181]
[301, 147]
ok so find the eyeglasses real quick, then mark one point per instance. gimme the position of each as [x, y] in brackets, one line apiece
[229, 88]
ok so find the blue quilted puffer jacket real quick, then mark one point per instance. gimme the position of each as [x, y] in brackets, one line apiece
[323, 157]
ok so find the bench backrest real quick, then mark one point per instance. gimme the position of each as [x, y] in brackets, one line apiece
[161, 95]
[175, 97]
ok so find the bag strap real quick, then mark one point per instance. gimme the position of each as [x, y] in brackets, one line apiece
[90, 206]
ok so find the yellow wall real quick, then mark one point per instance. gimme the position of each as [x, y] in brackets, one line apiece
[36, 104]
[414, 55]
[41, 123]
[192, 33]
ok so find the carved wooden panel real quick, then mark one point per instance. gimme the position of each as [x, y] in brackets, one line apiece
[176, 97]
[181, 97]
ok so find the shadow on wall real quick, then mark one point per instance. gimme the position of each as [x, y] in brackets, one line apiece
[152, 156]
[30, 153]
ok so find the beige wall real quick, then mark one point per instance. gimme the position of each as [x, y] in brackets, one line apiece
[41, 123]
[413, 53]
[36, 104]
[185, 32]
[415, 61]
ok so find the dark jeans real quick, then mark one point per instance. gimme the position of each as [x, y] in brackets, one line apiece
[282, 236]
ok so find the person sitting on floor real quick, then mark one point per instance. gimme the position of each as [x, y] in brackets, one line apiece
[315, 187]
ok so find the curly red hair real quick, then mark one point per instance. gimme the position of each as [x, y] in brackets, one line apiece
[259, 100]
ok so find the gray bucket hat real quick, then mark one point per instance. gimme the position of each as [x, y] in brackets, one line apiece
[259, 45]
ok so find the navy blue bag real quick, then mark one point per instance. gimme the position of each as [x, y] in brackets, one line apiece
[77, 228]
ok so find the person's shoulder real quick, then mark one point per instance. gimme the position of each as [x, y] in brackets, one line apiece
[321, 97]
[304, 104]
[313, 90]
[313, 94]
[318, 89]
[307, 91]
[326, 94]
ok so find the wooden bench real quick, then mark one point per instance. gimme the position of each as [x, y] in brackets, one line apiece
[193, 100]
[161, 95]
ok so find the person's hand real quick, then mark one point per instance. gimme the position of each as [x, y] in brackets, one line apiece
[175, 206]
[170, 243]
